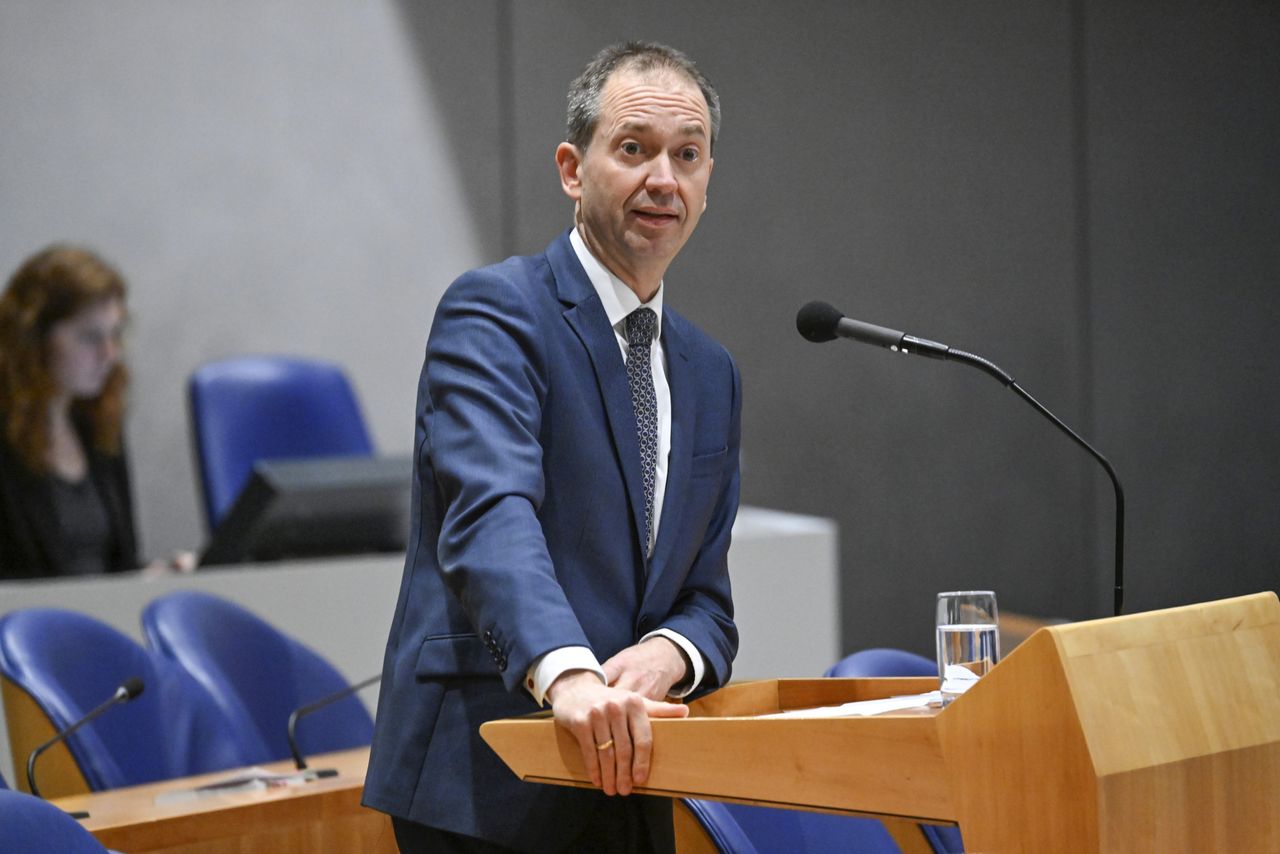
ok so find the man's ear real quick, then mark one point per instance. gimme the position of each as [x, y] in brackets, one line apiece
[569, 162]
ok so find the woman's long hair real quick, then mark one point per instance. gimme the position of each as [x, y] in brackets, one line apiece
[51, 286]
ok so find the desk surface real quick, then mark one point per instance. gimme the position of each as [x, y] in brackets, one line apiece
[318, 816]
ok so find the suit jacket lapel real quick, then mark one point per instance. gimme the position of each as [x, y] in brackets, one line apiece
[586, 317]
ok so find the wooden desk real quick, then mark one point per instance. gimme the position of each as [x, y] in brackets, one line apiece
[313, 818]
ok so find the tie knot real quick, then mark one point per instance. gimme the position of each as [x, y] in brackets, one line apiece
[640, 326]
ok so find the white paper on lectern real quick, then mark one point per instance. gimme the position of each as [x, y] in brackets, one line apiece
[865, 707]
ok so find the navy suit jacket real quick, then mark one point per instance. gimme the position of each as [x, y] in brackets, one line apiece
[526, 535]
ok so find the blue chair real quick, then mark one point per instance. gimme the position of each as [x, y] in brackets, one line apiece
[723, 829]
[883, 661]
[29, 825]
[743, 829]
[69, 663]
[268, 407]
[3, 785]
[256, 673]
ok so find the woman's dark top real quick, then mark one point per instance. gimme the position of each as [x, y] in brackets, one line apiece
[49, 527]
[87, 540]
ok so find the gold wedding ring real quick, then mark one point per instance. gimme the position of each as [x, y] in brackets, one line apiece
[605, 745]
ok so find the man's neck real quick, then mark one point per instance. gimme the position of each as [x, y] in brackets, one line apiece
[643, 283]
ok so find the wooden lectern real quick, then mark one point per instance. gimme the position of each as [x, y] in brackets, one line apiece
[1150, 732]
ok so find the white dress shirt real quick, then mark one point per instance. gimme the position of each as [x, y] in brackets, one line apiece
[618, 301]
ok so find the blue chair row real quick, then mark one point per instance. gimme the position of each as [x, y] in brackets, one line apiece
[742, 829]
[219, 684]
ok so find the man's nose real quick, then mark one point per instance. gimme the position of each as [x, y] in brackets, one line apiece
[661, 177]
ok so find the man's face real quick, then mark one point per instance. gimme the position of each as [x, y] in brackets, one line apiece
[641, 185]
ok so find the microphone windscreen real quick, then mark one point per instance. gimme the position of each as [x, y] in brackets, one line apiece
[817, 321]
[132, 688]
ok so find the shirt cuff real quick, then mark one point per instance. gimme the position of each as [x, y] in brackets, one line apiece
[547, 668]
[692, 680]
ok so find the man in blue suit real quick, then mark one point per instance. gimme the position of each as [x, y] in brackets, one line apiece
[576, 484]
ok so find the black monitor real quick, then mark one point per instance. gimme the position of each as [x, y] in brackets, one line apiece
[300, 508]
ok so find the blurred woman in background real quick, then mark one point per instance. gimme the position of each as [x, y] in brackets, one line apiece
[65, 502]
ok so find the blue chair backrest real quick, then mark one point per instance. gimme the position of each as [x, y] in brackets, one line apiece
[256, 673]
[872, 663]
[721, 826]
[268, 407]
[743, 829]
[29, 825]
[70, 663]
[885, 661]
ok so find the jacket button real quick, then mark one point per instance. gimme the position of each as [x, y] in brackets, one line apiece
[502, 662]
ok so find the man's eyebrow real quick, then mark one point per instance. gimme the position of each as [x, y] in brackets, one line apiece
[690, 129]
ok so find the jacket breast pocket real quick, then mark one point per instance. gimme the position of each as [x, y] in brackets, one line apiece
[454, 655]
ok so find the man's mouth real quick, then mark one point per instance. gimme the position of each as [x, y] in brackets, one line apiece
[656, 217]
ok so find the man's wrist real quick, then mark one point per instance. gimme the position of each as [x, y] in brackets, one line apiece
[685, 673]
[692, 659]
[567, 680]
[549, 666]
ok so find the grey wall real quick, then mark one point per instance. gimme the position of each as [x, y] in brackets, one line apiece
[1184, 233]
[1084, 192]
[270, 177]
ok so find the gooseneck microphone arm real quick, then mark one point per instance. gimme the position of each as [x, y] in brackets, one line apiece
[302, 711]
[818, 322]
[993, 370]
[128, 690]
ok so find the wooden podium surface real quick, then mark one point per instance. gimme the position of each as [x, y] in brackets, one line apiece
[1148, 732]
[316, 817]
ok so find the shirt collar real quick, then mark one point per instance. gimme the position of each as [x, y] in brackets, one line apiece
[618, 299]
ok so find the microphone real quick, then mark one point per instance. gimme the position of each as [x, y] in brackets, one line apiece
[302, 711]
[818, 322]
[128, 690]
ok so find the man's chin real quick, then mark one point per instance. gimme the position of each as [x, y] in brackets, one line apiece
[655, 244]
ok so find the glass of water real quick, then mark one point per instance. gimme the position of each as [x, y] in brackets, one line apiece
[968, 639]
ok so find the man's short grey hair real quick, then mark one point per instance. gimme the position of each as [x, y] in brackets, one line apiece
[584, 92]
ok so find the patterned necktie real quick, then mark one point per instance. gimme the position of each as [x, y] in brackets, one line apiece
[640, 328]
